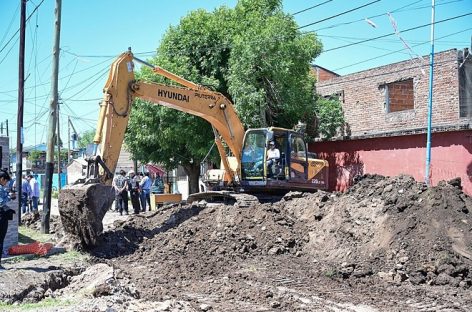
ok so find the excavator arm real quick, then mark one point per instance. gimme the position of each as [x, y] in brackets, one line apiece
[121, 89]
[83, 206]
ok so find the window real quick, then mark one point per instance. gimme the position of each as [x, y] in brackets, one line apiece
[252, 162]
[399, 96]
[339, 96]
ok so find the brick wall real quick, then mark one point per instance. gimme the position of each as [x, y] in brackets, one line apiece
[365, 99]
[322, 74]
[400, 96]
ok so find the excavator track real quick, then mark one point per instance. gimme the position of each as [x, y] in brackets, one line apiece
[240, 199]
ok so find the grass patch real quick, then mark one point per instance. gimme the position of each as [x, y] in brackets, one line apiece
[27, 235]
[70, 256]
[43, 304]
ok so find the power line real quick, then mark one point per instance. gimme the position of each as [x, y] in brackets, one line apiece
[400, 9]
[312, 7]
[9, 25]
[380, 56]
[393, 33]
[370, 17]
[13, 36]
[101, 56]
[339, 14]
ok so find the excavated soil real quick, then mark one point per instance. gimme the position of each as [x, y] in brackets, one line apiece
[388, 244]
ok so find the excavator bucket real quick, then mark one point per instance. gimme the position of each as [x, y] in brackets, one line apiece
[82, 208]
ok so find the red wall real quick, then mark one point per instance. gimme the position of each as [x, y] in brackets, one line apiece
[451, 156]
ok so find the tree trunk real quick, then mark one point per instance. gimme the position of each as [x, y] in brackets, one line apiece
[193, 173]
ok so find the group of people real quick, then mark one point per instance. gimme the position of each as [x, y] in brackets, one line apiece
[29, 194]
[139, 187]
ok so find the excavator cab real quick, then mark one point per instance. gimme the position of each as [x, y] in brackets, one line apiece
[295, 169]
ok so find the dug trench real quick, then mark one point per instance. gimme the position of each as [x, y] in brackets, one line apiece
[393, 236]
[388, 244]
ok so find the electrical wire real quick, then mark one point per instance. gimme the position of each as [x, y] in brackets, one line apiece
[393, 33]
[397, 10]
[312, 7]
[393, 52]
[18, 30]
[339, 14]
[9, 25]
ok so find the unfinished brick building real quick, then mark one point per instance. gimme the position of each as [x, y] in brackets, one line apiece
[385, 110]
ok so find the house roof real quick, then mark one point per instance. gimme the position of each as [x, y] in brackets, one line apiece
[155, 169]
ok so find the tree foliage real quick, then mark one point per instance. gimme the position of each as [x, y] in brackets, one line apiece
[253, 54]
[86, 138]
[330, 116]
[34, 155]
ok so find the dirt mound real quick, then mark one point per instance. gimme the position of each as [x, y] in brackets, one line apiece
[396, 227]
[33, 221]
[383, 230]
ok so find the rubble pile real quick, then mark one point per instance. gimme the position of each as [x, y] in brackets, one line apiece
[383, 230]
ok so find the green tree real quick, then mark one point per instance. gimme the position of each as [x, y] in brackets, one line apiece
[86, 138]
[330, 117]
[34, 155]
[253, 54]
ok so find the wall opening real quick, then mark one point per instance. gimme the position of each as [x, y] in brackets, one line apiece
[399, 95]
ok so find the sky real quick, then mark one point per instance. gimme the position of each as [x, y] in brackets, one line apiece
[94, 32]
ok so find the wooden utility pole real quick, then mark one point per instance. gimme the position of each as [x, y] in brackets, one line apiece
[52, 122]
[21, 101]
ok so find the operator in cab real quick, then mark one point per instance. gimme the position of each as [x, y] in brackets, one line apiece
[273, 155]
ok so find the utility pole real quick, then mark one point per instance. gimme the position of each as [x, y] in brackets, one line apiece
[21, 101]
[7, 129]
[427, 176]
[58, 149]
[52, 122]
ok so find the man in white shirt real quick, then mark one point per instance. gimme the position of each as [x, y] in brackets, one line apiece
[34, 192]
[273, 155]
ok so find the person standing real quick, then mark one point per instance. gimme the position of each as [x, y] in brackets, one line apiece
[133, 187]
[25, 194]
[120, 184]
[145, 186]
[5, 213]
[158, 185]
[34, 192]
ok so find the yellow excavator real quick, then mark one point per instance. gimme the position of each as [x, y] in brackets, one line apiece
[244, 167]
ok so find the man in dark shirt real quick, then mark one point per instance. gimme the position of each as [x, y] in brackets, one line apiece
[120, 184]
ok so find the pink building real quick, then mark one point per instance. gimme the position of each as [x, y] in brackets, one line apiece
[385, 110]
